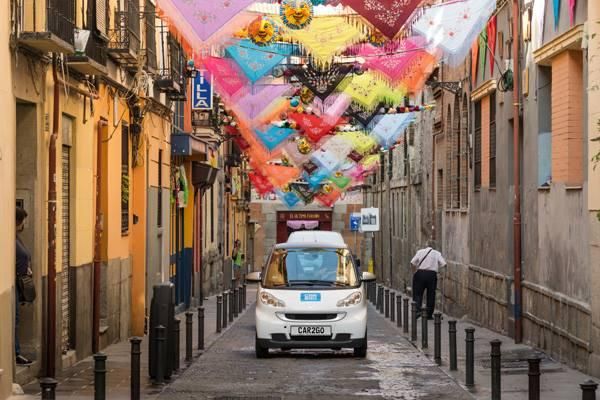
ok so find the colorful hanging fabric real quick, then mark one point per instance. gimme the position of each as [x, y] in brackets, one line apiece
[314, 180]
[314, 128]
[205, 17]
[340, 180]
[454, 26]
[227, 77]
[388, 16]
[332, 108]
[338, 146]
[326, 160]
[482, 52]
[368, 90]
[321, 82]
[256, 102]
[298, 150]
[364, 117]
[325, 37]
[296, 14]
[328, 198]
[280, 175]
[254, 61]
[288, 198]
[361, 142]
[260, 183]
[303, 191]
[572, 5]
[474, 61]
[273, 136]
[556, 7]
[393, 66]
[491, 35]
[390, 126]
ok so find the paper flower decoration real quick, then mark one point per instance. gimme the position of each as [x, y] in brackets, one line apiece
[296, 14]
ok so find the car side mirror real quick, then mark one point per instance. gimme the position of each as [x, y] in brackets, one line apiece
[254, 277]
[368, 277]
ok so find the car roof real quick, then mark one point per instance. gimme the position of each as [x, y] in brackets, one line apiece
[316, 237]
[309, 245]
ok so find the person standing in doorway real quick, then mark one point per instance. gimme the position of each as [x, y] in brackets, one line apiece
[426, 264]
[23, 268]
[237, 258]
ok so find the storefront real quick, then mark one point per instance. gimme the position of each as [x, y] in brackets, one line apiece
[291, 221]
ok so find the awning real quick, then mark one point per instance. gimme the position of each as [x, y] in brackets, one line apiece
[297, 224]
[203, 175]
[183, 144]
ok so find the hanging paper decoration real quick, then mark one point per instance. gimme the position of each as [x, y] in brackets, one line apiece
[303, 191]
[321, 83]
[263, 31]
[290, 199]
[453, 26]
[325, 37]
[556, 7]
[390, 126]
[474, 61]
[329, 198]
[388, 16]
[314, 180]
[254, 103]
[227, 77]
[314, 128]
[572, 4]
[296, 14]
[273, 136]
[280, 175]
[309, 167]
[255, 62]
[340, 180]
[482, 52]
[260, 183]
[364, 117]
[491, 35]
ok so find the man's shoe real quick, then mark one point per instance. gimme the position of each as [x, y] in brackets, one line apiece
[22, 360]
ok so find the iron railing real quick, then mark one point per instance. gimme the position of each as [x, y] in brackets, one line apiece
[60, 17]
[126, 32]
[96, 48]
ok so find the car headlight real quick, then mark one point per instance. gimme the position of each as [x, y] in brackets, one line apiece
[270, 300]
[353, 299]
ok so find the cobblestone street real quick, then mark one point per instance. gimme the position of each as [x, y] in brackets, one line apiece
[393, 369]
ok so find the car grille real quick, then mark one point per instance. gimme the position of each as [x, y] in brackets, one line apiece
[311, 317]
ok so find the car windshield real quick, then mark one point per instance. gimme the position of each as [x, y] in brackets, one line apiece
[310, 267]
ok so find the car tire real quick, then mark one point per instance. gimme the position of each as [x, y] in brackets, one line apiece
[361, 351]
[261, 351]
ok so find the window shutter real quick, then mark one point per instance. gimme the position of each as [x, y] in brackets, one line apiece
[101, 16]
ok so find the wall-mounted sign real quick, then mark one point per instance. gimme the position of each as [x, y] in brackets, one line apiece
[202, 95]
[355, 222]
[369, 219]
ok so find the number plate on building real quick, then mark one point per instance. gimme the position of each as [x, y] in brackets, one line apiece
[310, 331]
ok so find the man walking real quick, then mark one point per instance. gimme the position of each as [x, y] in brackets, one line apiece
[427, 262]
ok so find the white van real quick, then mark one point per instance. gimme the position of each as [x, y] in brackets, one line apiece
[316, 237]
[311, 295]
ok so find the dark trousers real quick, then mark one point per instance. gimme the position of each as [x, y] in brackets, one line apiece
[425, 280]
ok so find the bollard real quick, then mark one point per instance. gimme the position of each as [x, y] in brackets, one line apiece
[496, 366]
[392, 306]
[99, 376]
[588, 390]
[225, 312]
[48, 386]
[452, 345]
[136, 352]
[534, 378]
[382, 303]
[373, 295]
[231, 305]
[399, 311]
[241, 301]
[176, 343]
[378, 299]
[200, 328]
[188, 335]
[424, 328]
[219, 308]
[405, 315]
[437, 338]
[470, 357]
[161, 341]
[236, 302]
[244, 297]
[387, 303]
[413, 318]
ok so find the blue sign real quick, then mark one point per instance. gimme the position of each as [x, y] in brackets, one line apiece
[310, 296]
[354, 222]
[202, 95]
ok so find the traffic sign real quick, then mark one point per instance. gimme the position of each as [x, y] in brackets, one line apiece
[202, 95]
[354, 222]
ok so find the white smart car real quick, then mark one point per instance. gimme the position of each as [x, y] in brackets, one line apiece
[310, 295]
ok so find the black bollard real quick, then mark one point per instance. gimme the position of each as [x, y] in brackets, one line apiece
[378, 299]
[48, 386]
[231, 305]
[470, 357]
[495, 356]
[189, 323]
[372, 286]
[225, 306]
[399, 311]
[405, 315]
[161, 352]
[588, 390]
[200, 328]
[534, 378]
[437, 338]
[392, 306]
[176, 343]
[413, 318]
[219, 311]
[452, 345]
[244, 297]
[236, 302]
[99, 376]
[424, 328]
[387, 303]
[136, 353]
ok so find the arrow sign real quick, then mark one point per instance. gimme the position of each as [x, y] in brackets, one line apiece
[202, 96]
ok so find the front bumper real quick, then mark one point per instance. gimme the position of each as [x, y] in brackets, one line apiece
[280, 341]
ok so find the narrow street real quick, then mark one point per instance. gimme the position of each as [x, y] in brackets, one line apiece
[393, 369]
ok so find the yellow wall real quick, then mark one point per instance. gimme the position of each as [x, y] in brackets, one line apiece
[594, 103]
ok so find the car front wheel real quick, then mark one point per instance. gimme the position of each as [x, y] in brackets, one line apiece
[261, 351]
[361, 351]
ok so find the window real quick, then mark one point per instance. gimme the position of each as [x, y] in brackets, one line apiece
[406, 160]
[159, 203]
[150, 16]
[404, 211]
[178, 117]
[456, 155]
[125, 178]
[449, 157]
[440, 189]
[464, 154]
[493, 140]
[212, 214]
[477, 148]
[545, 126]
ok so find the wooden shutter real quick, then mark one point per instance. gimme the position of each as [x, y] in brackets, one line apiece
[101, 16]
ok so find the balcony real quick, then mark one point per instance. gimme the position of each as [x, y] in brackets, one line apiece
[124, 39]
[150, 50]
[93, 60]
[171, 80]
[45, 25]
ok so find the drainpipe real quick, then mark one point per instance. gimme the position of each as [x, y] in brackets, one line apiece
[97, 242]
[433, 170]
[51, 295]
[517, 176]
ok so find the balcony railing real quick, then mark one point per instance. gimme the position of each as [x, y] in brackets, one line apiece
[124, 44]
[48, 30]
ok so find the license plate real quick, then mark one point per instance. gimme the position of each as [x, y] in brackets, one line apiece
[310, 331]
[310, 296]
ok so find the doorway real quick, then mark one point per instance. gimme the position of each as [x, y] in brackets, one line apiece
[291, 221]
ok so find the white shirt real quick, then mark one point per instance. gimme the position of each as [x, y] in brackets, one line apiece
[432, 262]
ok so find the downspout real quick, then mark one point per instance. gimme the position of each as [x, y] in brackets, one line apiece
[97, 241]
[517, 176]
[51, 295]
[433, 170]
